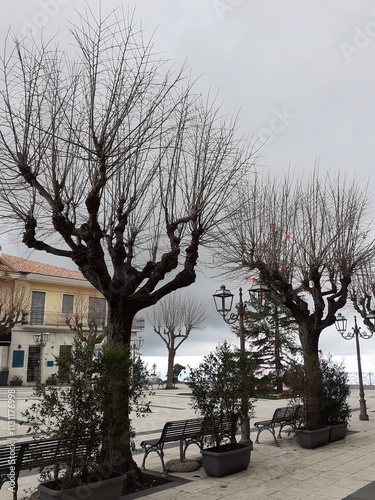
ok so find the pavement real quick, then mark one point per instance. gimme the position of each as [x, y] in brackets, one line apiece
[341, 470]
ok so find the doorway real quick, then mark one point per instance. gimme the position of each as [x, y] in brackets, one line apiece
[33, 364]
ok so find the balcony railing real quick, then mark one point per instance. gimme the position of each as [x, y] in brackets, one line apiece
[58, 319]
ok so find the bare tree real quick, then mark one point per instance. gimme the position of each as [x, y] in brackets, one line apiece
[14, 304]
[305, 240]
[88, 324]
[175, 316]
[362, 294]
[110, 160]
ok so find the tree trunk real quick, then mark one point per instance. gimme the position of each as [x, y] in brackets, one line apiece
[170, 374]
[314, 381]
[116, 419]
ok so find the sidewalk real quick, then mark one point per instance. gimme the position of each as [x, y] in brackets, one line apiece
[334, 472]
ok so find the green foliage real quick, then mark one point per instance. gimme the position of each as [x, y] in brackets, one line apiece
[121, 390]
[52, 379]
[70, 412]
[331, 406]
[224, 387]
[272, 333]
[94, 405]
[336, 391]
[177, 369]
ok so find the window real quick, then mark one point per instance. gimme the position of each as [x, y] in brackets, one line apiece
[18, 359]
[38, 300]
[96, 313]
[67, 304]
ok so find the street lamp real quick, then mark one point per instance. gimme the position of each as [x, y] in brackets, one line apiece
[136, 343]
[341, 323]
[40, 339]
[223, 299]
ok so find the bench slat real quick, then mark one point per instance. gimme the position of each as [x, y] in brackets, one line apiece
[28, 455]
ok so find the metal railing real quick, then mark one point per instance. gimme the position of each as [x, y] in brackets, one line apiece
[368, 378]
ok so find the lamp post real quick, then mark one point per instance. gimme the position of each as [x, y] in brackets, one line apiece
[40, 339]
[223, 301]
[137, 343]
[341, 323]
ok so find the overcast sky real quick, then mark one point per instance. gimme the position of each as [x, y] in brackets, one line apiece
[300, 73]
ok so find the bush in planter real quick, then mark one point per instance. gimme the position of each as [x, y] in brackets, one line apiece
[16, 381]
[72, 412]
[76, 411]
[335, 390]
[224, 388]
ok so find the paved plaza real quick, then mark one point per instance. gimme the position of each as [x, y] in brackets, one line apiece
[340, 470]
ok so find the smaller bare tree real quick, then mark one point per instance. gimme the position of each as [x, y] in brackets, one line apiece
[87, 322]
[15, 305]
[175, 316]
[362, 294]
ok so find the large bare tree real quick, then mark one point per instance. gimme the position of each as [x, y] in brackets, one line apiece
[304, 238]
[175, 316]
[109, 159]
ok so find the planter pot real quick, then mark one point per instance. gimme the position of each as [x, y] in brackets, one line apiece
[337, 431]
[4, 378]
[226, 459]
[313, 438]
[16, 383]
[108, 489]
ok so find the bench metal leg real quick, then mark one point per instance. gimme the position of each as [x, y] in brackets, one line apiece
[272, 431]
[160, 452]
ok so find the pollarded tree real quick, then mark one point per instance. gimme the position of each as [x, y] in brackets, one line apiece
[305, 239]
[362, 294]
[110, 160]
[15, 304]
[175, 316]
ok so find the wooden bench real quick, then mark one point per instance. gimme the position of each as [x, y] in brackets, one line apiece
[16, 456]
[282, 417]
[187, 432]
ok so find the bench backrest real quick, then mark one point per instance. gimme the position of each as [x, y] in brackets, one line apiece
[283, 414]
[40, 453]
[193, 428]
[49, 452]
[182, 429]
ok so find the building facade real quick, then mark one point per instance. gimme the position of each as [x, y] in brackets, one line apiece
[42, 308]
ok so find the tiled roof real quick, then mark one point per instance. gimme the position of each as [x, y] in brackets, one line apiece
[11, 263]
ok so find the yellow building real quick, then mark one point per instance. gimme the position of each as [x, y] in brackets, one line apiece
[49, 305]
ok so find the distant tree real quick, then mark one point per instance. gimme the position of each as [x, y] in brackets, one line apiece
[362, 294]
[109, 158]
[88, 323]
[174, 319]
[177, 369]
[15, 303]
